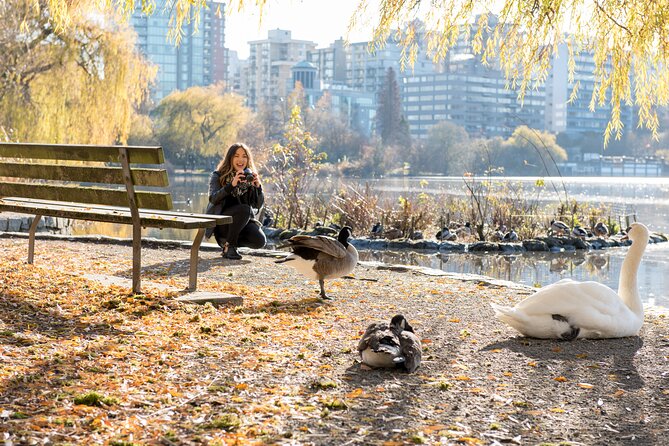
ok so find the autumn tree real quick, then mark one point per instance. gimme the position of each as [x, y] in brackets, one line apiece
[527, 152]
[199, 121]
[446, 150]
[335, 136]
[293, 167]
[79, 84]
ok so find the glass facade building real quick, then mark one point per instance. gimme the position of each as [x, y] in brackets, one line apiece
[198, 60]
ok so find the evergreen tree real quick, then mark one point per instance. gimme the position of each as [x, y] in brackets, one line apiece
[389, 110]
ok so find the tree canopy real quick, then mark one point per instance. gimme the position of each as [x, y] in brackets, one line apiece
[200, 119]
[93, 65]
[627, 39]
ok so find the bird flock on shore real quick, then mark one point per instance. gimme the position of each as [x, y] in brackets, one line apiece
[566, 310]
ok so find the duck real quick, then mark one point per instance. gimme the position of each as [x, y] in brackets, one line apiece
[446, 234]
[320, 257]
[558, 226]
[393, 345]
[600, 229]
[579, 232]
[393, 233]
[464, 231]
[511, 236]
[377, 229]
[569, 309]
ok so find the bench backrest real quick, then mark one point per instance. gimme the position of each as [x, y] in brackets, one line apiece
[90, 174]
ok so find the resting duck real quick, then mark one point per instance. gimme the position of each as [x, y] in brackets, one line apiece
[446, 234]
[391, 345]
[321, 257]
[558, 227]
[568, 309]
[601, 230]
[511, 236]
[579, 232]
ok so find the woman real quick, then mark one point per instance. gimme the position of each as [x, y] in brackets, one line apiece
[235, 193]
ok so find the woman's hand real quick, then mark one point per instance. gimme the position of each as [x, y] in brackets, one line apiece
[256, 180]
[237, 178]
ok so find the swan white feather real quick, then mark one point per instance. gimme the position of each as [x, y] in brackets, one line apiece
[568, 309]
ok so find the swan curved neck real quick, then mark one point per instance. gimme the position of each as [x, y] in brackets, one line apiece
[627, 283]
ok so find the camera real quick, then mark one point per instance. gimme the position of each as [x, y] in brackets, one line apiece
[248, 175]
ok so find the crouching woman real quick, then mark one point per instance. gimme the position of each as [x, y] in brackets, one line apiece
[234, 190]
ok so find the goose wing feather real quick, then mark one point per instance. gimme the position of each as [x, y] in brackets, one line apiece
[371, 337]
[321, 243]
[411, 350]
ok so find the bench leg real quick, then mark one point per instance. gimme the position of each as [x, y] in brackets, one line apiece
[136, 258]
[194, 250]
[31, 238]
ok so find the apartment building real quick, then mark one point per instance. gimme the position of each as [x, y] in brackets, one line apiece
[198, 60]
[270, 61]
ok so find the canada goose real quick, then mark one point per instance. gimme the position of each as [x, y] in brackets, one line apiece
[321, 257]
[511, 236]
[559, 227]
[446, 234]
[391, 345]
[601, 230]
[579, 232]
[568, 309]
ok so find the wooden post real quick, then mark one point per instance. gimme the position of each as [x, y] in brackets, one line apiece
[192, 276]
[136, 223]
[31, 238]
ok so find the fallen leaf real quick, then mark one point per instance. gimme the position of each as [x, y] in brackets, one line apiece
[561, 379]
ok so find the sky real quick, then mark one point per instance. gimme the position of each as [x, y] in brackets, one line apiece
[320, 21]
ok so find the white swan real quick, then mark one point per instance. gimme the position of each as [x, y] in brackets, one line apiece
[569, 310]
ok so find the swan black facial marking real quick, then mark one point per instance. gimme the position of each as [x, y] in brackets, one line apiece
[559, 317]
[571, 334]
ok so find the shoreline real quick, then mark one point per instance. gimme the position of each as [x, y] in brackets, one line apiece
[148, 242]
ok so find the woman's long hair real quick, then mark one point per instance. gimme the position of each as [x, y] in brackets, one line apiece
[225, 169]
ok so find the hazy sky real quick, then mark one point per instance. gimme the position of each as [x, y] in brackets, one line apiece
[321, 21]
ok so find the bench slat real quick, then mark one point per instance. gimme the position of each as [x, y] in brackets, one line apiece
[111, 215]
[99, 195]
[39, 202]
[81, 152]
[109, 175]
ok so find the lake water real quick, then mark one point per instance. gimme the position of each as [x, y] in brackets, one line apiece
[648, 198]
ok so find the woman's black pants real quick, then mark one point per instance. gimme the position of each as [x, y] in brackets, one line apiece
[243, 231]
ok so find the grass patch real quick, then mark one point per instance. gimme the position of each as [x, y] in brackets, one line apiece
[95, 399]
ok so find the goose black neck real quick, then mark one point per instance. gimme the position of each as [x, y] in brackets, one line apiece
[344, 234]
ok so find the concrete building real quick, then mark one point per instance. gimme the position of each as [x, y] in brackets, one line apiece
[330, 62]
[269, 67]
[198, 60]
[470, 95]
[576, 117]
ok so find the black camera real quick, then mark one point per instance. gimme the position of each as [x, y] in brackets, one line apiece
[248, 175]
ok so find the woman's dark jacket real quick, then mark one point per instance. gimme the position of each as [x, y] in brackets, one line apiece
[222, 197]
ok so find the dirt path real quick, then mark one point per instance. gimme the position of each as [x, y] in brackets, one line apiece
[283, 367]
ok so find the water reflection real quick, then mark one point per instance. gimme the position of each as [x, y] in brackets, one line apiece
[540, 269]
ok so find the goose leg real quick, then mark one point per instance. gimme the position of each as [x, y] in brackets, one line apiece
[321, 282]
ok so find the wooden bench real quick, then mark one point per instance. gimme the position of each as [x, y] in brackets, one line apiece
[115, 184]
